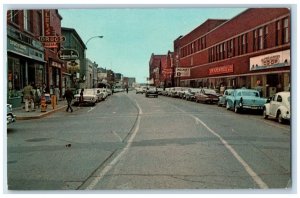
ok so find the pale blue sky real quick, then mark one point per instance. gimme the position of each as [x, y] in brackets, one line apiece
[131, 35]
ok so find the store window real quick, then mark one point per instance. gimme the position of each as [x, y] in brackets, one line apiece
[14, 75]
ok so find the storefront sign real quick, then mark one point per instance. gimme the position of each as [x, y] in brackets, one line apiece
[17, 47]
[27, 51]
[73, 66]
[35, 54]
[182, 72]
[47, 27]
[68, 54]
[277, 59]
[221, 70]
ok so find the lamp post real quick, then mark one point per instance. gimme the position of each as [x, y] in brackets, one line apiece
[86, 48]
[92, 38]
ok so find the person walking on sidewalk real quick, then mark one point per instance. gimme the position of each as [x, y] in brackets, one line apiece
[69, 96]
[28, 96]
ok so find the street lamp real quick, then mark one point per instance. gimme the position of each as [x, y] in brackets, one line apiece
[86, 48]
[93, 38]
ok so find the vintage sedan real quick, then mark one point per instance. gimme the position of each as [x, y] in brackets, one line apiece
[223, 98]
[207, 96]
[151, 91]
[190, 94]
[278, 107]
[11, 117]
[89, 97]
[242, 99]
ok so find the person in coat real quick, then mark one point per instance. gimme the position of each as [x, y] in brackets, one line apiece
[69, 96]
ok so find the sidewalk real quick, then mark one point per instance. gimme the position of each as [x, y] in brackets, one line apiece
[21, 114]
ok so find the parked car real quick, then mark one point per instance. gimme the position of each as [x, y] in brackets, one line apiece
[89, 97]
[207, 96]
[151, 91]
[190, 94]
[103, 93]
[242, 99]
[223, 98]
[278, 107]
[160, 90]
[10, 116]
[181, 92]
[139, 90]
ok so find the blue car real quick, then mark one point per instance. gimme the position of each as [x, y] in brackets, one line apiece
[242, 99]
[223, 99]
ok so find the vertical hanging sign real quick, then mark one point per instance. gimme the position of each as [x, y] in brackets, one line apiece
[47, 27]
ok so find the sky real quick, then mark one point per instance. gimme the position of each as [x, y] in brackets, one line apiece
[131, 35]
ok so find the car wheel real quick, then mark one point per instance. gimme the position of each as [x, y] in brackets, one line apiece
[227, 106]
[265, 114]
[236, 109]
[279, 117]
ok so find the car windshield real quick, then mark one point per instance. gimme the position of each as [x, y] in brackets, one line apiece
[250, 93]
[209, 91]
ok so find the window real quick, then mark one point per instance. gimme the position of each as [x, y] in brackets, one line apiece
[266, 36]
[260, 39]
[221, 51]
[278, 27]
[14, 16]
[279, 98]
[285, 30]
[255, 40]
[27, 21]
[39, 23]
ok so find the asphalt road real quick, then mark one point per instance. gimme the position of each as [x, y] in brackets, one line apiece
[137, 143]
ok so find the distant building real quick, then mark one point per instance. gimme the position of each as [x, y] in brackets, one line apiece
[157, 64]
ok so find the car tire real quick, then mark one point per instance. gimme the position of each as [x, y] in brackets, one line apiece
[265, 114]
[236, 109]
[279, 117]
[227, 106]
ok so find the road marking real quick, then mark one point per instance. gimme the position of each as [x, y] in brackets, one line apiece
[92, 108]
[107, 168]
[117, 135]
[248, 169]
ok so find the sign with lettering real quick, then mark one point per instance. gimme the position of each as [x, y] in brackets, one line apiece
[50, 39]
[47, 27]
[220, 70]
[182, 72]
[68, 54]
[273, 60]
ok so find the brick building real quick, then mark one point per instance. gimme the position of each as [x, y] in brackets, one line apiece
[25, 53]
[252, 49]
[157, 64]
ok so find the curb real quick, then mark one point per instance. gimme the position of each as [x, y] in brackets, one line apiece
[44, 114]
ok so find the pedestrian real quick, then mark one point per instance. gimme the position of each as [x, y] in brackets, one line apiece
[28, 97]
[81, 97]
[37, 96]
[69, 96]
[127, 89]
[57, 93]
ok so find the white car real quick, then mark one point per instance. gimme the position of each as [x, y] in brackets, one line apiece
[89, 96]
[278, 107]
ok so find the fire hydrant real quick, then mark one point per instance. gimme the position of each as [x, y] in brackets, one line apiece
[43, 103]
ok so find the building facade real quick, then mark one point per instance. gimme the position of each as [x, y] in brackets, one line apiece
[157, 64]
[77, 68]
[250, 50]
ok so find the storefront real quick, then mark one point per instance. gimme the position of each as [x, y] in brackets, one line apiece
[25, 65]
[270, 80]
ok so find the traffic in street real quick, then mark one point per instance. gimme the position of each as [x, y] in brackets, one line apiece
[130, 141]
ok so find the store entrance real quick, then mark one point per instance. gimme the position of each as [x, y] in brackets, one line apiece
[274, 84]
